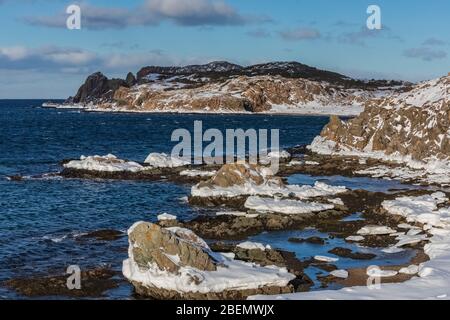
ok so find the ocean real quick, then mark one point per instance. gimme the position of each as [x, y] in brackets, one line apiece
[42, 218]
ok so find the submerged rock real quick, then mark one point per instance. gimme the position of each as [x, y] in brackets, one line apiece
[312, 240]
[103, 235]
[347, 253]
[93, 284]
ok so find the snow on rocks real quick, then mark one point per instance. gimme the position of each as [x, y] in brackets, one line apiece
[253, 246]
[108, 163]
[355, 238]
[422, 209]
[410, 128]
[412, 269]
[325, 259]
[280, 155]
[375, 230]
[234, 180]
[197, 173]
[337, 201]
[377, 272]
[166, 217]
[433, 276]
[294, 163]
[392, 250]
[288, 207]
[342, 274]
[162, 160]
[171, 263]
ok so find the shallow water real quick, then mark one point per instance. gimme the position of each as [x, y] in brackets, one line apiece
[305, 251]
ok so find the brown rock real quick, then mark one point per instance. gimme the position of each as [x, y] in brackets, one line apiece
[153, 244]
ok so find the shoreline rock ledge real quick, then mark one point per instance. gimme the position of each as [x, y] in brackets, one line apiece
[174, 263]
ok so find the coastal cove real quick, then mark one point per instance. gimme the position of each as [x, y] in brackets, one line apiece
[319, 230]
[45, 219]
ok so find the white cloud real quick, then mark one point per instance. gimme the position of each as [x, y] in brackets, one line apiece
[14, 53]
[151, 13]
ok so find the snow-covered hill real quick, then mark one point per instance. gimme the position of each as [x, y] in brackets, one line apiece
[411, 127]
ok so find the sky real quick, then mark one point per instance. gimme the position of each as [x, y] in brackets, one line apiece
[41, 58]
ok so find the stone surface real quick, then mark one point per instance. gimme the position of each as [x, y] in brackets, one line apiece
[414, 124]
[153, 244]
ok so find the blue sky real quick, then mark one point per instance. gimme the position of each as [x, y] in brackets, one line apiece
[41, 58]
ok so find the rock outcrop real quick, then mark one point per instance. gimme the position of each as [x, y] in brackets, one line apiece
[169, 250]
[414, 125]
[97, 88]
[174, 263]
[239, 174]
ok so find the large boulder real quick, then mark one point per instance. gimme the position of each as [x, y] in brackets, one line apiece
[169, 250]
[174, 263]
[238, 174]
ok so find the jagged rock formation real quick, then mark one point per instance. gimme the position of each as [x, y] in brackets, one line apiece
[414, 125]
[97, 88]
[226, 87]
[130, 79]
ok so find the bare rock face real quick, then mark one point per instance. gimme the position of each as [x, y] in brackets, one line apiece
[169, 250]
[238, 174]
[415, 123]
[98, 88]
[130, 79]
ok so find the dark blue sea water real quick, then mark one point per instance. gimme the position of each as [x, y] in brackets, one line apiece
[41, 219]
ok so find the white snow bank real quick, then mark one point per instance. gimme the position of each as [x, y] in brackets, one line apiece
[253, 246]
[197, 173]
[231, 275]
[162, 160]
[108, 163]
[355, 238]
[284, 206]
[429, 170]
[325, 259]
[337, 201]
[433, 280]
[376, 272]
[343, 274]
[319, 189]
[375, 230]
[412, 269]
[421, 209]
